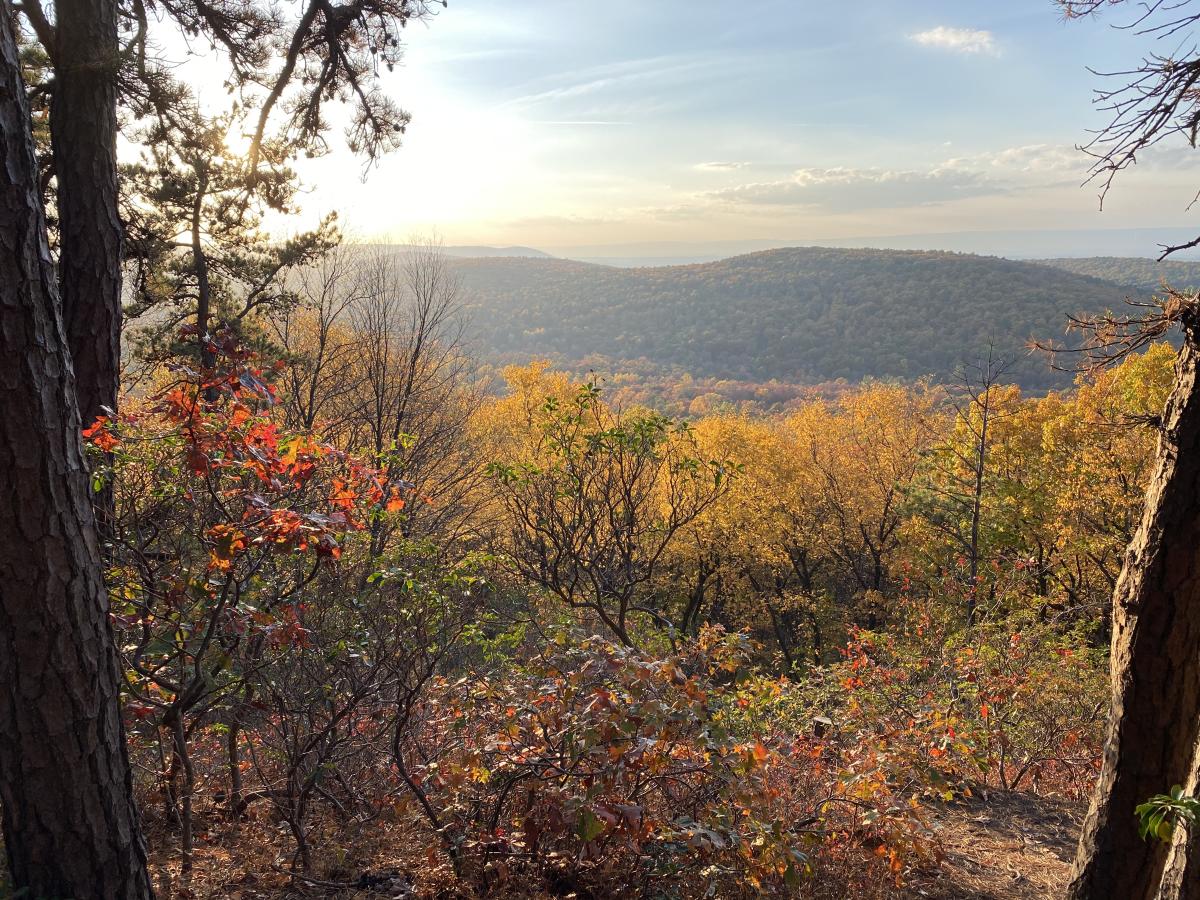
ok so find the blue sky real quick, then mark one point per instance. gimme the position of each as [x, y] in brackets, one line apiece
[563, 123]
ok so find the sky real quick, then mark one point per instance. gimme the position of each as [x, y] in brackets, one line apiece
[577, 124]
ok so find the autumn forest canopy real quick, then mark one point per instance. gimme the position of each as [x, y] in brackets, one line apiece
[334, 567]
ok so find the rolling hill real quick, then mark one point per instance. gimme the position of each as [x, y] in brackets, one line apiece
[1144, 275]
[799, 315]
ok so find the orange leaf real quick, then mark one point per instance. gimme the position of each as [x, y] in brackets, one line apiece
[343, 497]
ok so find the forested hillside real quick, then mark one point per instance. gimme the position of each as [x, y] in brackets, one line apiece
[1145, 275]
[802, 314]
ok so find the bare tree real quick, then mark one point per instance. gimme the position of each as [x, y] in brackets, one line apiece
[379, 365]
[316, 332]
[1156, 100]
[956, 489]
[414, 396]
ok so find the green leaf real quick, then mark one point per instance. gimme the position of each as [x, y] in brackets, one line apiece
[791, 877]
[1164, 830]
[588, 827]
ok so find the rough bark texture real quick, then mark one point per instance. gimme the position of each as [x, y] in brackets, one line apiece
[70, 825]
[1181, 879]
[1155, 719]
[83, 125]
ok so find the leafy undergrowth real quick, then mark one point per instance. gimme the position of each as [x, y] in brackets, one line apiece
[589, 771]
[996, 846]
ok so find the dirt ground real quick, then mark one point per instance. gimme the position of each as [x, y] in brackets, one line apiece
[1003, 847]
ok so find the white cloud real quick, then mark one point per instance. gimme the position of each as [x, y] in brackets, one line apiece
[720, 166]
[583, 86]
[846, 190]
[958, 40]
[1035, 161]
[842, 190]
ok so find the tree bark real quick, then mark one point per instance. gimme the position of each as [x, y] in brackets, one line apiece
[1155, 718]
[83, 128]
[70, 824]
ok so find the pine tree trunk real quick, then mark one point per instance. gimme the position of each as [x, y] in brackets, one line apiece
[1181, 877]
[1155, 718]
[83, 127]
[70, 825]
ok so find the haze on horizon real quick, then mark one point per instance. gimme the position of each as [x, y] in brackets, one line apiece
[560, 125]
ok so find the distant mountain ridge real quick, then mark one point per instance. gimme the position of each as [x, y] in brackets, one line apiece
[1012, 243]
[1145, 275]
[477, 252]
[809, 314]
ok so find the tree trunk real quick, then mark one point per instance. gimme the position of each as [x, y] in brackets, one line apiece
[182, 764]
[1155, 718]
[70, 825]
[977, 506]
[83, 127]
